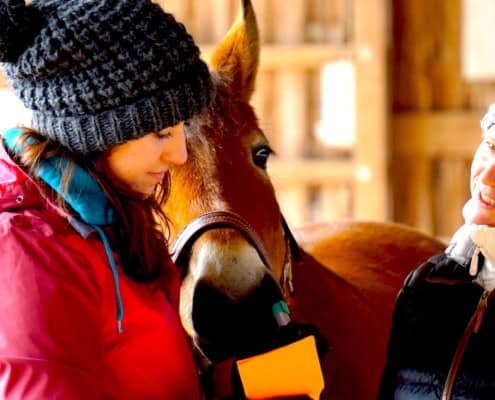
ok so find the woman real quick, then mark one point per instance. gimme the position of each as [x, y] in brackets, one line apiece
[88, 294]
[442, 340]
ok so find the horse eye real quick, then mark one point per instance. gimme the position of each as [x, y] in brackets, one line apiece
[260, 156]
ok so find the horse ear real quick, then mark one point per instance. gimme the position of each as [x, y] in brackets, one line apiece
[237, 56]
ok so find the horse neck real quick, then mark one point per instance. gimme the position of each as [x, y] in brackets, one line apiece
[315, 285]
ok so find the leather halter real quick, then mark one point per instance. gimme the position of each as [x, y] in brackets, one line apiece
[227, 219]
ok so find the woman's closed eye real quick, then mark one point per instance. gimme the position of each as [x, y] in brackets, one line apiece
[164, 134]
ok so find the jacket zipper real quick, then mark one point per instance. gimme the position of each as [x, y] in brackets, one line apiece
[473, 326]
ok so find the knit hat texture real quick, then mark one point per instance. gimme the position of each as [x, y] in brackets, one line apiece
[97, 73]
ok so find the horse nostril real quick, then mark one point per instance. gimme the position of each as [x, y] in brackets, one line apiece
[210, 307]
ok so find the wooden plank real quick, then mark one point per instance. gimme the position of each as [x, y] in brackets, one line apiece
[262, 102]
[426, 57]
[445, 141]
[222, 18]
[291, 95]
[371, 188]
[451, 193]
[314, 145]
[480, 94]
[290, 123]
[289, 22]
[264, 15]
[310, 171]
[328, 20]
[447, 134]
[414, 202]
[445, 61]
[336, 202]
[293, 201]
[202, 20]
[302, 56]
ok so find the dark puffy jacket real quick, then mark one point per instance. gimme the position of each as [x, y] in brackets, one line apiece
[443, 321]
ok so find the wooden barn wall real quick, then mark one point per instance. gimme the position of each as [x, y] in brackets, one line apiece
[299, 37]
[435, 116]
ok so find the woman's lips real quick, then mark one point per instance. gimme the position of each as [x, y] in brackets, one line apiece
[486, 200]
[157, 175]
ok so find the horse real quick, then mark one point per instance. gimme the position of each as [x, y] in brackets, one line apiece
[341, 276]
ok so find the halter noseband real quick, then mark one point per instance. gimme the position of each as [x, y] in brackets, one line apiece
[227, 219]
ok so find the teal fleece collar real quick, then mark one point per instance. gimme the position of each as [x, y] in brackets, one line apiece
[83, 193]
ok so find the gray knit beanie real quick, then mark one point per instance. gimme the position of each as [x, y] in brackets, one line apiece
[97, 73]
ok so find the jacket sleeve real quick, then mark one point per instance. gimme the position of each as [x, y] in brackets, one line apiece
[388, 381]
[400, 323]
[49, 314]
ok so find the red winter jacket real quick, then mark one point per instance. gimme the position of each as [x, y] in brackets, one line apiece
[58, 329]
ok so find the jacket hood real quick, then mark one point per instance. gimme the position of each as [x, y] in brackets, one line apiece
[17, 189]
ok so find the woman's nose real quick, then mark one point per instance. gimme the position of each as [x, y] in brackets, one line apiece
[176, 152]
[487, 176]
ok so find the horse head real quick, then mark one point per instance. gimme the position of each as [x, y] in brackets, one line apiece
[228, 285]
[347, 280]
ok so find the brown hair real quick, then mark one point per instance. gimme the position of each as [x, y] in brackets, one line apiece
[140, 234]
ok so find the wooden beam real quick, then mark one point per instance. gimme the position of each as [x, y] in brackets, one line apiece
[336, 202]
[371, 149]
[289, 22]
[301, 56]
[446, 134]
[414, 203]
[290, 124]
[293, 201]
[222, 14]
[264, 15]
[451, 193]
[204, 19]
[310, 171]
[426, 60]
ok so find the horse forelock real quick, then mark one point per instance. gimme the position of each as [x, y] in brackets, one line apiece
[208, 153]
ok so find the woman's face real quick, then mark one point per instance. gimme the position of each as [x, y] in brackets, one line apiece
[481, 207]
[139, 165]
